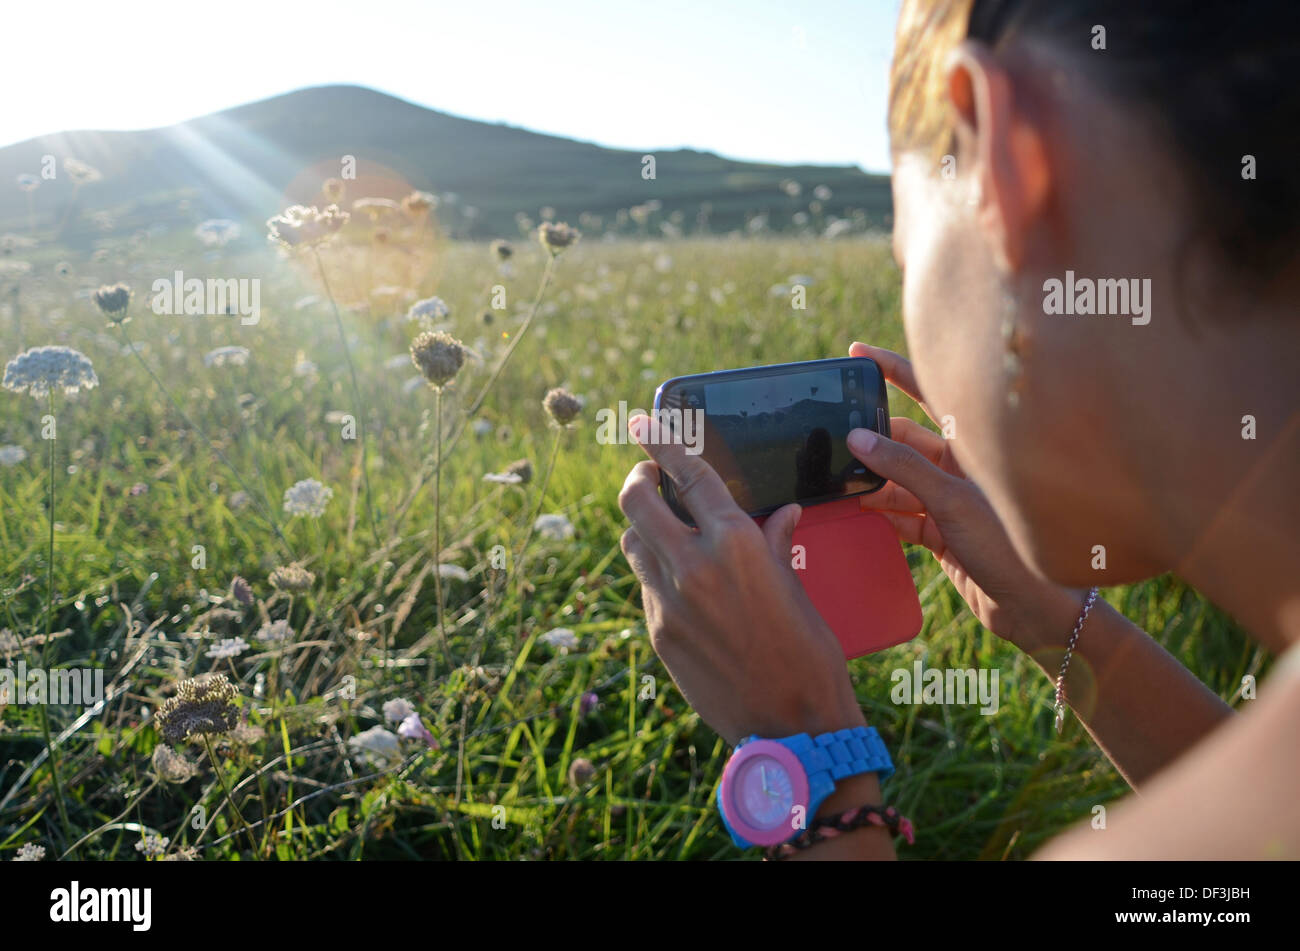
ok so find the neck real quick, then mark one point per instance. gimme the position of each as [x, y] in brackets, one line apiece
[1247, 555]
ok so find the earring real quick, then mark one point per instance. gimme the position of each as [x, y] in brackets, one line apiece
[1015, 344]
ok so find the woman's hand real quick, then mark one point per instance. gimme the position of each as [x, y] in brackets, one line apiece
[726, 613]
[930, 502]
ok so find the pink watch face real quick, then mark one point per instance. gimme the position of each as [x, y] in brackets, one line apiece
[765, 792]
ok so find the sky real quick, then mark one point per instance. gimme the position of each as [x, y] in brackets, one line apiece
[763, 80]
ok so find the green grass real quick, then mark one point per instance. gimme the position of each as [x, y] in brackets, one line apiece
[619, 318]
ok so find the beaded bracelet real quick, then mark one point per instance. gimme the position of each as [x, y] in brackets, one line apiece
[829, 827]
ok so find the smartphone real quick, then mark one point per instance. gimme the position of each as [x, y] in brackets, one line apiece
[776, 434]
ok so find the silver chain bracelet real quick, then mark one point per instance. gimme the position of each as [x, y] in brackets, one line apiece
[1069, 652]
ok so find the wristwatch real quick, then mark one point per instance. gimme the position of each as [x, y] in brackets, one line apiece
[772, 789]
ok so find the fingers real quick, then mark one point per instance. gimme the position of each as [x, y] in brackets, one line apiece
[897, 370]
[925, 441]
[644, 564]
[646, 509]
[917, 529]
[891, 497]
[903, 465]
[779, 530]
[698, 486]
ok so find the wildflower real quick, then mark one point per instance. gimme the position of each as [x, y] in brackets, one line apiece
[12, 455]
[554, 527]
[561, 637]
[273, 632]
[28, 182]
[171, 767]
[307, 497]
[226, 356]
[439, 357]
[42, 369]
[413, 728]
[301, 227]
[228, 647]
[562, 406]
[503, 250]
[239, 500]
[186, 853]
[428, 311]
[203, 705]
[291, 578]
[556, 237]
[113, 300]
[397, 710]
[503, 478]
[587, 703]
[241, 590]
[333, 189]
[375, 208]
[417, 204]
[522, 468]
[482, 427]
[581, 771]
[80, 172]
[217, 232]
[375, 746]
[152, 845]
[454, 572]
[822, 193]
[30, 853]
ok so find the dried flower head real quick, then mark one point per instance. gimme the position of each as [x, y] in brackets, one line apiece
[333, 189]
[307, 497]
[81, 172]
[301, 227]
[113, 300]
[503, 250]
[522, 468]
[581, 771]
[28, 182]
[556, 237]
[562, 406]
[41, 370]
[376, 209]
[418, 204]
[291, 578]
[438, 356]
[203, 705]
[241, 590]
[171, 767]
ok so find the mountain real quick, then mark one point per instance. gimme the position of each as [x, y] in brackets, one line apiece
[250, 161]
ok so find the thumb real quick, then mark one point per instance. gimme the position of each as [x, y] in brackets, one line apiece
[779, 530]
[904, 466]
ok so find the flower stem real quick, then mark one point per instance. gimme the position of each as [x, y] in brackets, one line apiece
[216, 768]
[45, 653]
[356, 396]
[437, 530]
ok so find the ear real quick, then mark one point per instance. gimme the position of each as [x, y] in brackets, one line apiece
[1005, 148]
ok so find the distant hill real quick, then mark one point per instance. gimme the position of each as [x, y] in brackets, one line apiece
[248, 162]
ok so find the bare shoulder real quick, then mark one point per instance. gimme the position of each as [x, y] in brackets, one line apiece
[1233, 796]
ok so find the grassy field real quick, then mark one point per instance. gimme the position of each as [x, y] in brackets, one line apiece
[618, 775]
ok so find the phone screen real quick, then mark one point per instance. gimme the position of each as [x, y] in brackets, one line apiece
[776, 434]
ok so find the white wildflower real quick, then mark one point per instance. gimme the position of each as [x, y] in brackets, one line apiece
[560, 637]
[395, 711]
[153, 845]
[376, 746]
[307, 497]
[228, 647]
[30, 853]
[554, 527]
[274, 632]
[454, 572]
[12, 455]
[226, 356]
[42, 369]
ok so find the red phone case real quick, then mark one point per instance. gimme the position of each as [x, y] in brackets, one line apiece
[856, 575]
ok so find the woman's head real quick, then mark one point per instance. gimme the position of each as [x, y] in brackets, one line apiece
[1133, 159]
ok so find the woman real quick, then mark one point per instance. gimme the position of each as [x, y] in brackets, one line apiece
[1040, 146]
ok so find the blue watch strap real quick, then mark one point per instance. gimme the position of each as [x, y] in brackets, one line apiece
[844, 753]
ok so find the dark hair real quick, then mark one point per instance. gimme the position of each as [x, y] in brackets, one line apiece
[1221, 79]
